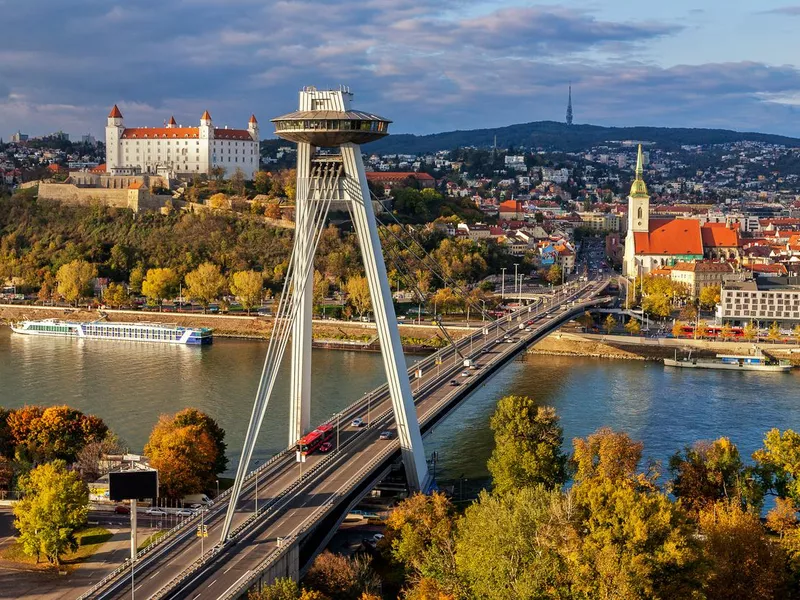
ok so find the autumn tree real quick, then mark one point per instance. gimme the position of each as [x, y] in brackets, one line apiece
[774, 332]
[554, 275]
[116, 295]
[262, 182]
[205, 284]
[677, 329]
[710, 296]
[136, 280]
[750, 331]
[744, 563]
[421, 534]
[606, 454]
[358, 294]
[726, 333]
[219, 201]
[321, 289]
[657, 305]
[633, 327]
[54, 504]
[248, 287]
[796, 333]
[187, 449]
[273, 210]
[701, 330]
[159, 284]
[586, 321]
[779, 460]
[782, 518]
[74, 279]
[610, 323]
[342, 578]
[237, 182]
[283, 588]
[511, 546]
[528, 440]
[90, 463]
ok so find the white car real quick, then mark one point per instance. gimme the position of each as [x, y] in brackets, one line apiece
[465, 373]
[184, 512]
[155, 511]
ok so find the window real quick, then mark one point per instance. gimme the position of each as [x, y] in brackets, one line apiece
[639, 213]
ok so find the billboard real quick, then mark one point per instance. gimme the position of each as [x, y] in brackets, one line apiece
[133, 485]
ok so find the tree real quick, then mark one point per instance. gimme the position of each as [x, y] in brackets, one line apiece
[750, 331]
[606, 454]
[708, 472]
[248, 287]
[610, 323]
[783, 517]
[677, 329]
[116, 295]
[701, 330]
[219, 201]
[74, 278]
[710, 296]
[554, 275]
[158, 284]
[510, 546]
[633, 327]
[185, 455]
[47, 290]
[205, 284]
[657, 305]
[283, 588]
[779, 459]
[321, 289]
[774, 332]
[745, 565]
[55, 502]
[358, 294]
[341, 578]
[237, 182]
[528, 442]
[421, 533]
[796, 333]
[726, 333]
[136, 280]
[90, 462]
[262, 182]
[192, 416]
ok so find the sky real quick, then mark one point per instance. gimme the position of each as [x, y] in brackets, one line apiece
[429, 65]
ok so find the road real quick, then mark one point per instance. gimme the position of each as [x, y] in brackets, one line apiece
[291, 503]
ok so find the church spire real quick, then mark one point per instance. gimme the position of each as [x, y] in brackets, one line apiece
[569, 107]
[638, 187]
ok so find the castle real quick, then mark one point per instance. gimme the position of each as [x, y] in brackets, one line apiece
[173, 150]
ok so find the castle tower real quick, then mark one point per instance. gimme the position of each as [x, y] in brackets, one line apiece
[114, 130]
[252, 127]
[569, 107]
[207, 149]
[638, 216]
[171, 123]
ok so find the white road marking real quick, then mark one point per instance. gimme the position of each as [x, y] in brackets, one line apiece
[228, 569]
[212, 583]
[154, 574]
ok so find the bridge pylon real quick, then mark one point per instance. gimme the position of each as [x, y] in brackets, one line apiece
[334, 176]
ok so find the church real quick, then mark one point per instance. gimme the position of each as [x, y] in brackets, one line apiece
[176, 150]
[654, 243]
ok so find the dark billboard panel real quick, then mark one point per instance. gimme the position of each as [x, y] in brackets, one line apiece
[132, 485]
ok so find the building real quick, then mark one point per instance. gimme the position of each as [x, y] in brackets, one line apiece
[511, 210]
[390, 179]
[653, 243]
[701, 274]
[599, 221]
[721, 241]
[761, 299]
[19, 137]
[174, 150]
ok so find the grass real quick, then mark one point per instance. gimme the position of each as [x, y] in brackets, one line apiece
[89, 541]
[152, 538]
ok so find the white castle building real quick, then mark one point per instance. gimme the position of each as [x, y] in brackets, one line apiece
[174, 150]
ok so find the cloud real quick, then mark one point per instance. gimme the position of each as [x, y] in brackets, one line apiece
[787, 11]
[428, 65]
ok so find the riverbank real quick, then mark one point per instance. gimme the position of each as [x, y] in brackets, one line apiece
[327, 334]
[623, 347]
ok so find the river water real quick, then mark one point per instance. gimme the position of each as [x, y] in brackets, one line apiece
[130, 385]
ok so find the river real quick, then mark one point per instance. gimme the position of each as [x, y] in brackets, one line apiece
[130, 385]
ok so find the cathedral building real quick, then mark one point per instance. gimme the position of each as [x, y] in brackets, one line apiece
[654, 243]
[172, 150]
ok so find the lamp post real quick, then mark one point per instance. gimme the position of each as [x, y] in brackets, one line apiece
[515, 276]
[503, 285]
[217, 487]
[483, 313]
[256, 470]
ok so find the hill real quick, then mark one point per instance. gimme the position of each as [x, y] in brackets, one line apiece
[559, 136]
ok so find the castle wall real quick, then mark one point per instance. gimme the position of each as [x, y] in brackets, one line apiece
[67, 193]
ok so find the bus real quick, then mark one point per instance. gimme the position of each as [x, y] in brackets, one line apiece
[312, 441]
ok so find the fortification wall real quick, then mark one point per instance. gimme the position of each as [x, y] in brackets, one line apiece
[71, 194]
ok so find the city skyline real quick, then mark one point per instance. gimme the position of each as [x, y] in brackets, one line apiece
[459, 65]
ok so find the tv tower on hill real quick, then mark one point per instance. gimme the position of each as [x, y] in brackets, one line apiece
[569, 107]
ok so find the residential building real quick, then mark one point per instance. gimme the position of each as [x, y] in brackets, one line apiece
[701, 274]
[511, 210]
[599, 221]
[174, 150]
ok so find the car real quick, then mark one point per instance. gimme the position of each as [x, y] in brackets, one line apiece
[155, 511]
[377, 537]
[465, 373]
[528, 329]
[325, 447]
[184, 512]
[453, 382]
[121, 509]
[386, 435]
[357, 422]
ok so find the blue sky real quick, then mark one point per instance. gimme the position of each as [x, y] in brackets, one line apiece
[430, 65]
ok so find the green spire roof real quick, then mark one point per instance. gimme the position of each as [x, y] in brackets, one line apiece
[638, 188]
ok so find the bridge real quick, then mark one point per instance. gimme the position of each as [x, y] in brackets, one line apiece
[288, 511]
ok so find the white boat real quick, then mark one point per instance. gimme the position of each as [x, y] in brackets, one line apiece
[732, 362]
[129, 332]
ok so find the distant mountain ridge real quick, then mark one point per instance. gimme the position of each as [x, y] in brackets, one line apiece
[552, 135]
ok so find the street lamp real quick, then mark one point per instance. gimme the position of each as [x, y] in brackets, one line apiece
[503, 285]
[483, 313]
[515, 276]
[217, 487]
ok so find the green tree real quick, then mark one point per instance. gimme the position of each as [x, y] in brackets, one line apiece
[248, 287]
[358, 294]
[55, 503]
[633, 327]
[528, 442]
[158, 284]
[511, 546]
[321, 289]
[610, 323]
[262, 182]
[283, 588]
[116, 295]
[554, 275]
[205, 284]
[136, 280]
[74, 279]
[710, 296]
[779, 459]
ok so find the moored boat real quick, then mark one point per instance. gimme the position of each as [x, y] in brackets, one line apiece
[732, 362]
[129, 332]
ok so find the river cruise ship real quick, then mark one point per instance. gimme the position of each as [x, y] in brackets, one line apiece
[129, 332]
[732, 362]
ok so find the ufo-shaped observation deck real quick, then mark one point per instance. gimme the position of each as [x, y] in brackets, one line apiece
[329, 128]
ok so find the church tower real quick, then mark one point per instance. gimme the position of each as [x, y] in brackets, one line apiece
[638, 216]
[114, 130]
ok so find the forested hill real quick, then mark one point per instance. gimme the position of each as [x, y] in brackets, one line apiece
[559, 136]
